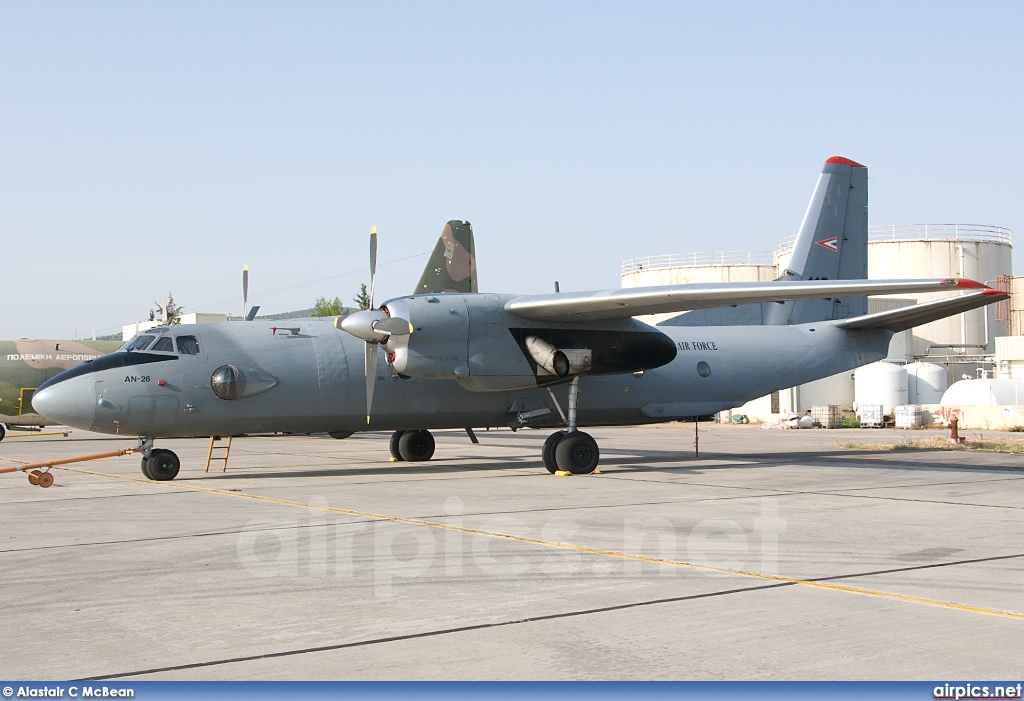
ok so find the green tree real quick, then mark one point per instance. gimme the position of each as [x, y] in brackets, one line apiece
[362, 299]
[168, 308]
[324, 308]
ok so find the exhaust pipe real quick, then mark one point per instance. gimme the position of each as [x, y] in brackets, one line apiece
[560, 363]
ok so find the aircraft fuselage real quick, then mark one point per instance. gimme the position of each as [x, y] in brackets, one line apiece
[313, 380]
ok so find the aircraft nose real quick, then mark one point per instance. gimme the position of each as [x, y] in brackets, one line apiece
[71, 402]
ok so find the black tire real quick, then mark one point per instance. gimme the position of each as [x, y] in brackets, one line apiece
[3, 432]
[416, 446]
[339, 435]
[577, 453]
[395, 452]
[547, 453]
[145, 468]
[163, 465]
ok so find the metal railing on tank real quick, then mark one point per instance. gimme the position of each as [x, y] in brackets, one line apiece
[693, 260]
[921, 232]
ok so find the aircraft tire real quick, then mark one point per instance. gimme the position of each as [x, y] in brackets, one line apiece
[3, 432]
[416, 446]
[339, 435]
[577, 453]
[163, 465]
[145, 468]
[547, 453]
[395, 452]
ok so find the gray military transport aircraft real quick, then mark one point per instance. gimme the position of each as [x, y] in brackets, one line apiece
[473, 360]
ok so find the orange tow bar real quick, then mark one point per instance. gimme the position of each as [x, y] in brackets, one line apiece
[39, 472]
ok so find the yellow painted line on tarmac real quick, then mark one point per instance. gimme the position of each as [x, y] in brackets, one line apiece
[952, 605]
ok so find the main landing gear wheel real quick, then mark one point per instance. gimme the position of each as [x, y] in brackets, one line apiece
[395, 452]
[339, 435]
[416, 446]
[577, 453]
[162, 465]
[3, 432]
[548, 452]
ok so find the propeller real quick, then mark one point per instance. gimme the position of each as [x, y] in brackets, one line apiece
[374, 326]
[251, 314]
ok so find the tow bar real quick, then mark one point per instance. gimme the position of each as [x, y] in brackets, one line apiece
[39, 472]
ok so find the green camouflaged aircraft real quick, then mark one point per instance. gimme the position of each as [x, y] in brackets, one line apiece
[28, 363]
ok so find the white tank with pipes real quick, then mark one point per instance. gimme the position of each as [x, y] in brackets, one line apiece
[880, 383]
[925, 383]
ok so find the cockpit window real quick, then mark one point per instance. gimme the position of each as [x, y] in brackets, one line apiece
[164, 344]
[188, 345]
[138, 343]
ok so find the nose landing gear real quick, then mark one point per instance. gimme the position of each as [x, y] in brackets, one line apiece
[158, 464]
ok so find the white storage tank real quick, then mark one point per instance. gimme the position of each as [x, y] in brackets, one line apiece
[925, 383]
[973, 251]
[984, 393]
[880, 383]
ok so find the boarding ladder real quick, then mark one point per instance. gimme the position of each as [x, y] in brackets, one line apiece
[210, 457]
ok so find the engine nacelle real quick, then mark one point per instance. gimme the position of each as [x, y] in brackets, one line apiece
[437, 347]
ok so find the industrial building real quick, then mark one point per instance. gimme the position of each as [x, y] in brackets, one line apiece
[985, 343]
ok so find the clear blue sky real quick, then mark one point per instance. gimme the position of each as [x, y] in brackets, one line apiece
[147, 147]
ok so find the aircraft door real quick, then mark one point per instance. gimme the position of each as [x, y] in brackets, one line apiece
[25, 403]
[152, 415]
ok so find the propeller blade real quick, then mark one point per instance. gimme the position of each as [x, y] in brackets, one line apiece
[371, 375]
[393, 326]
[245, 288]
[373, 262]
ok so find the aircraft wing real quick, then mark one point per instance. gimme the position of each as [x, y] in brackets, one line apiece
[613, 304]
[908, 317]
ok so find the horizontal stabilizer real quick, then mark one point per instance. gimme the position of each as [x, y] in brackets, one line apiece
[619, 304]
[908, 317]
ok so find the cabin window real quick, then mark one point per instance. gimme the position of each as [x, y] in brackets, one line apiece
[188, 345]
[164, 344]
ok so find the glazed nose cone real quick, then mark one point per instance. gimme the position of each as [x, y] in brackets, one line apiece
[71, 402]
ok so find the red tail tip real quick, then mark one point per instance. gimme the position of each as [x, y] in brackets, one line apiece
[844, 162]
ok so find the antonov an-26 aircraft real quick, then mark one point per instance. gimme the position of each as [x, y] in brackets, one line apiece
[474, 360]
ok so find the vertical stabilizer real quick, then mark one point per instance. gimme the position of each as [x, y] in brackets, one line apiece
[452, 265]
[832, 244]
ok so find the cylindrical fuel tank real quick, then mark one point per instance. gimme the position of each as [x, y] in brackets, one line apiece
[881, 383]
[925, 383]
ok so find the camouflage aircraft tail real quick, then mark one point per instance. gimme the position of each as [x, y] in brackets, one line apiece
[452, 265]
[831, 244]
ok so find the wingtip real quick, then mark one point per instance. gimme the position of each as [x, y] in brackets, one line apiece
[991, 292]
[373, 231]
[967, 284]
